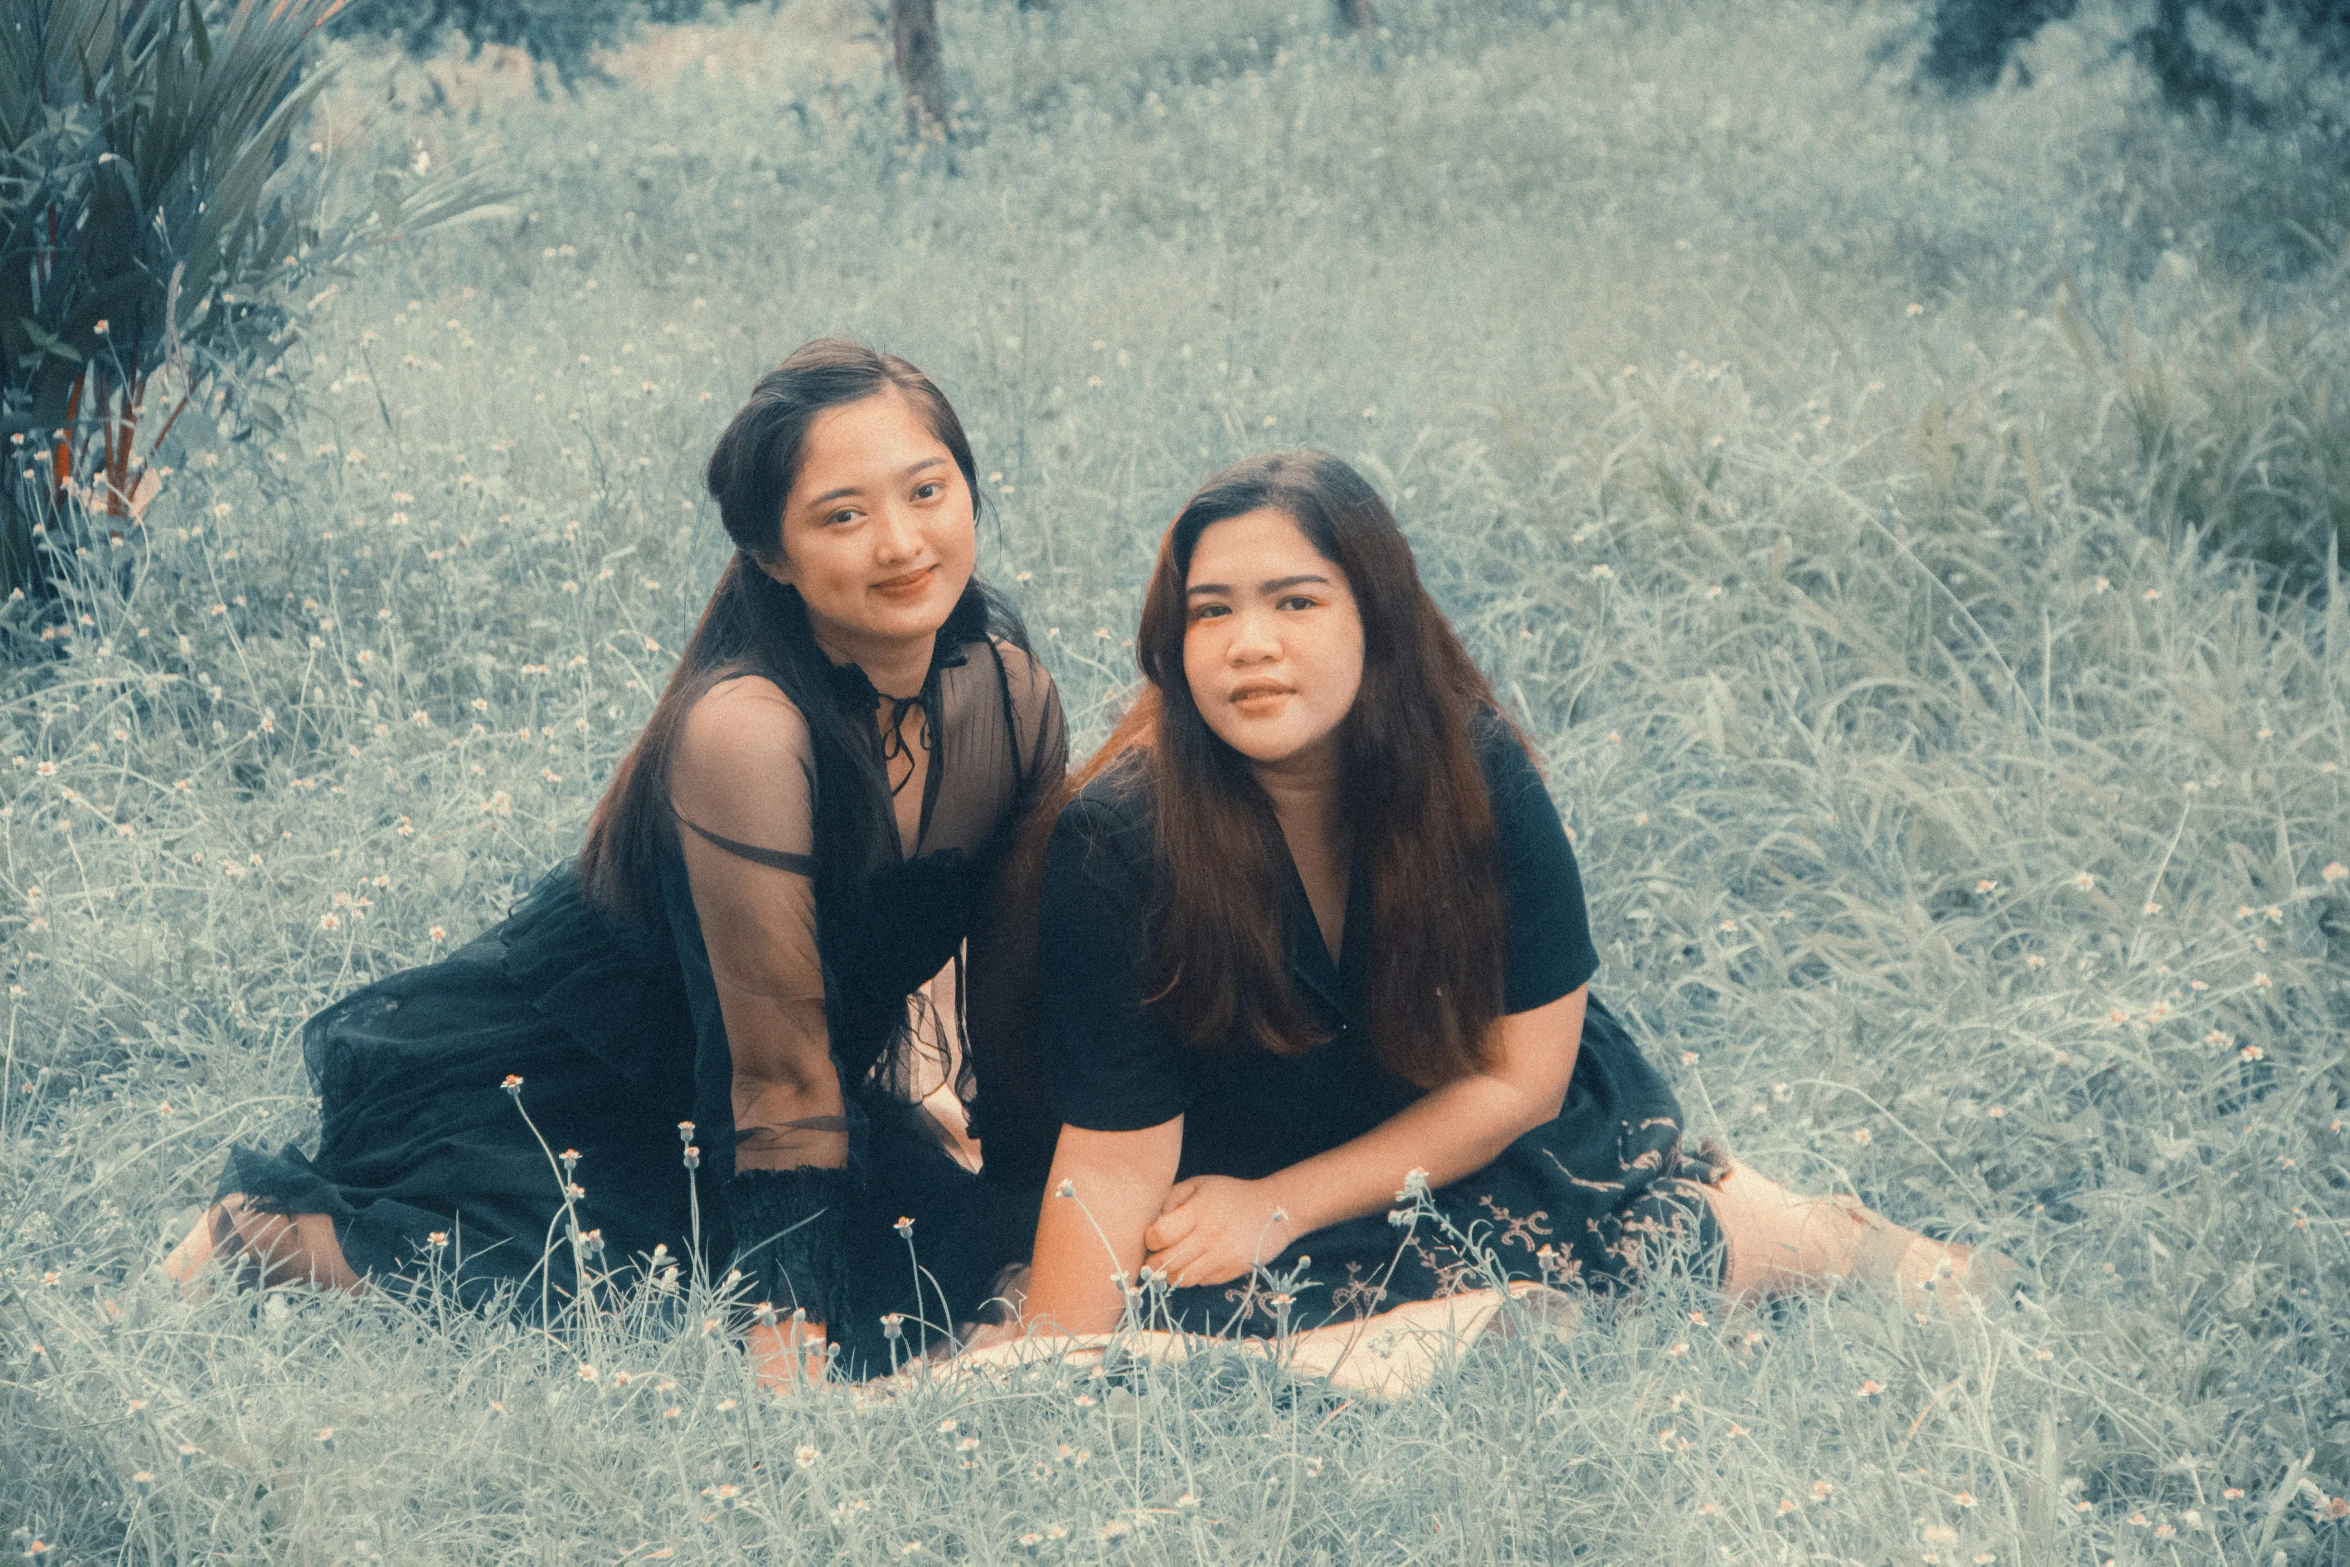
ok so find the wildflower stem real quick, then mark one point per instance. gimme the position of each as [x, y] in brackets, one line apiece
[567, 1212]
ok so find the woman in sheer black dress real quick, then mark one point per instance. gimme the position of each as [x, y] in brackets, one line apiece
[1311, 927]
[705, 1018]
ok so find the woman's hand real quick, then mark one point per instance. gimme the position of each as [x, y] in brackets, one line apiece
[1214, 1229]
[785, 1355]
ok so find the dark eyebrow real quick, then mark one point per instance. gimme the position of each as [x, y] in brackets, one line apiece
[851, 489]
[1273, 586]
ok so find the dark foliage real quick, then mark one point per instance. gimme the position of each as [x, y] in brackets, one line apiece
[561, 35]
[1972, 40]
[2203, 54]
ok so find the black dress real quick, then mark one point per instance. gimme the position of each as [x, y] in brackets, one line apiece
[452, 1095]
[1579, 1198]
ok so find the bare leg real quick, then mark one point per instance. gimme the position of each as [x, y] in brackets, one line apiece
[1779, 1241]
[268, 1250]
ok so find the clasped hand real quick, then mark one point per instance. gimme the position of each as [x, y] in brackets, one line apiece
[1213, 1229]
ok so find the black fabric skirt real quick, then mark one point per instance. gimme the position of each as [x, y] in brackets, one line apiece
[435, 1164]
[1597, 1198]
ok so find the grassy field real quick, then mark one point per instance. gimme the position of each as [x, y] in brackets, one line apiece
[1822, 471]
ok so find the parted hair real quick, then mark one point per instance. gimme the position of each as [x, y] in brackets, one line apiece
[756, 625]
[1412, 798]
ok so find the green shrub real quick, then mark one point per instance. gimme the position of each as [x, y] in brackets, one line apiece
[2259, 61]
[161, 217]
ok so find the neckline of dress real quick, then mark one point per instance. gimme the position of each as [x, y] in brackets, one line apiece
[1310, 958]
[858, 696]
[855, 691]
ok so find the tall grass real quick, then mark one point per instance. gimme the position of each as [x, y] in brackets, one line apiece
[1829, 497]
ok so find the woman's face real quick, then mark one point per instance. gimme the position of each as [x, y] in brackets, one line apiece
[1273, 642]
[877, 530]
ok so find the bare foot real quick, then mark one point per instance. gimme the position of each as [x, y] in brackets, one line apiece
[259, 1250]
[1779, 1241]
[185, 1266]
[1919, 1271]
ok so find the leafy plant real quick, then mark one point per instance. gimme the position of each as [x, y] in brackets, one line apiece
[159, 222]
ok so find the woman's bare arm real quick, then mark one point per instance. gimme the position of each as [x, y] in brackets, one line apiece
[1214, 1227]
[1117, 1183]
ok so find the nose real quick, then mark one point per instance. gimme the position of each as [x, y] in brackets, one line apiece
[1255, 639]
[896, 539]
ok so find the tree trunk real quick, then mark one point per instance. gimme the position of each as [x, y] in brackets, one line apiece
[913, 36]
[1356, 15]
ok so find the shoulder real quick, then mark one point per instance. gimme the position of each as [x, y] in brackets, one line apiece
[1510, 770]
[1101, 862]
[1023, 671]
[744, 718]
[1117, 799]
[1109, 820]
[1027, 685]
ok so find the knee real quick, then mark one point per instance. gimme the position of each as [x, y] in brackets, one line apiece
[1777, 1238]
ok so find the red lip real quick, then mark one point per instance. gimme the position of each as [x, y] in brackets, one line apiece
[900, 586]
[1257, 688]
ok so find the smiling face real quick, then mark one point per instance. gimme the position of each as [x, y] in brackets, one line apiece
[1273, 642]
[877, 529]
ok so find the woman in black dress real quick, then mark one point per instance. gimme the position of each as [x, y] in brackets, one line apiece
[1312, 933]
[707, 1012]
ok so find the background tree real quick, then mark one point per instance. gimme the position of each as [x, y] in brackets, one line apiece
[913, 39]
[1355, 15]
[559, 35]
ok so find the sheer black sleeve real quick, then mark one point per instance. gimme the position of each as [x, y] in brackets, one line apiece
[1005, 1096]
[742, 782]
[1040, 733]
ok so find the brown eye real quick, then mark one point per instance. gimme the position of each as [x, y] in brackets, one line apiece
[930, 491]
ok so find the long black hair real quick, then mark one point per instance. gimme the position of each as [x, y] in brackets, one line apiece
[756, 625]
[1412, 799]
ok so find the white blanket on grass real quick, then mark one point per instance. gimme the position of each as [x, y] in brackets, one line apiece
[1390, 1355]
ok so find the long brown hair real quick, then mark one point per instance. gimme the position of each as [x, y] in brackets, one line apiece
[756, 625]
[1412, 799]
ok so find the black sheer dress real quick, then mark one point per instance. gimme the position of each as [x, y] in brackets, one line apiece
[455, 1096]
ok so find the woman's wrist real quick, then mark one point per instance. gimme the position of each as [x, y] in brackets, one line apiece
[1294, 1201]
[781, 1350]
[787, 1332]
